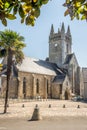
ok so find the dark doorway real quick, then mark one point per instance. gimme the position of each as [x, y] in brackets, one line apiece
[66, 95]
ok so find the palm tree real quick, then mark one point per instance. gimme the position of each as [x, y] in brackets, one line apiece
[11, 44]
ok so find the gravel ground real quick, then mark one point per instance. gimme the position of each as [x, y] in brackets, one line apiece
[56, 117]
[56, 109]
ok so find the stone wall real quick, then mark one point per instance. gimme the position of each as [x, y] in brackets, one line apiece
[58, 90]
[55, 91]
[44, 83]
[12, 87]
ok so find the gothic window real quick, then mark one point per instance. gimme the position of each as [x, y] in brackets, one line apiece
[47, 87]
[37, 86]
[24, 85]
[67, 47]
[60, 88]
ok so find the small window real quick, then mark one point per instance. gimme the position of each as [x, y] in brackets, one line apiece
[47, 86]
[37, 86]
[24, 85]
[67, 47]
[60, 88]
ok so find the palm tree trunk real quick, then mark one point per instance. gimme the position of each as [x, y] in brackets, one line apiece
[9, 65]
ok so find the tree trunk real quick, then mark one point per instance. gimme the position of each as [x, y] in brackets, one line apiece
[9, 65]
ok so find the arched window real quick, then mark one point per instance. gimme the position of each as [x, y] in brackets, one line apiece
[67, 47]
[37, 86]
[24, 85]
[47, 86]
[60, 88]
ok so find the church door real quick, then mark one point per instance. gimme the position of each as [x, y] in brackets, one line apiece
[66, 95]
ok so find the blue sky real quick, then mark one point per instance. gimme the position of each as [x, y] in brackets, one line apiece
[37, 37]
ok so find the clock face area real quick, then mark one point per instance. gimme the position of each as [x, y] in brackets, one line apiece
[56, 45]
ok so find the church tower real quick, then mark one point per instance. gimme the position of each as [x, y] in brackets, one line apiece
[60, 44]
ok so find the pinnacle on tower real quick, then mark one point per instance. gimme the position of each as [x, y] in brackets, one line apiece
[59, 31]
[52, 29]
[62, 28]
[68, 31]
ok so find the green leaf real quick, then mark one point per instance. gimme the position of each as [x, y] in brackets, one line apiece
[83, 17]
[45, 1]
[66, 12]
[21, 11]
[15, 10]
[4, 22]
[22, 20]
[67, 1]
[29, 21]
[7, 5]
[37, 12]
[39, 2]
[10, 16]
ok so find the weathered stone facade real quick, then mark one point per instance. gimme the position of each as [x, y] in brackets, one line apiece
[62, 90]
[57, 78]
[36, 85]
[60, 45]
[60, 52]
[27, 85]
[84, 79]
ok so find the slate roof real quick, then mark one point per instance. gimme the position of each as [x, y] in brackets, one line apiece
[38, 66]
[59, 79]
[68, 58]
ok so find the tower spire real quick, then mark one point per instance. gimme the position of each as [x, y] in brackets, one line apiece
[52, 29]
[58, 31]
[63, 28]
[68, 31]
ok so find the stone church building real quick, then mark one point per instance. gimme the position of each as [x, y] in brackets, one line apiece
[58, 77]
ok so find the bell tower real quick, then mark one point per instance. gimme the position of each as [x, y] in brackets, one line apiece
[60, 44]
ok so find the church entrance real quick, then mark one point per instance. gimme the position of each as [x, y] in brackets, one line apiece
[66, 95]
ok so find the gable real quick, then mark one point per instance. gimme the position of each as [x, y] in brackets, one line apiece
[74, 60]
[70, 59]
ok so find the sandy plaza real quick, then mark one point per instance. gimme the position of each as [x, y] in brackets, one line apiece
[53, 117]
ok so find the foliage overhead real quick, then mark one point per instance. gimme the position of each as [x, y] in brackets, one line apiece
[76, 9]
[12, 40]
[28, 10]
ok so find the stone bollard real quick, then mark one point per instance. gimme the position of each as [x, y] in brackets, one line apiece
[78, 106]
[64, 106]
[36, 106]
[23, 105]
[49, 105]
[36, 114]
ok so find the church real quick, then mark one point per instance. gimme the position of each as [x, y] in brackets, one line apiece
[57, 77]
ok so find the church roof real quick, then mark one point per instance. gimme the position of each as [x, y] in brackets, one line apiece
[59, 79]
[38, 66]
[68, 58]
